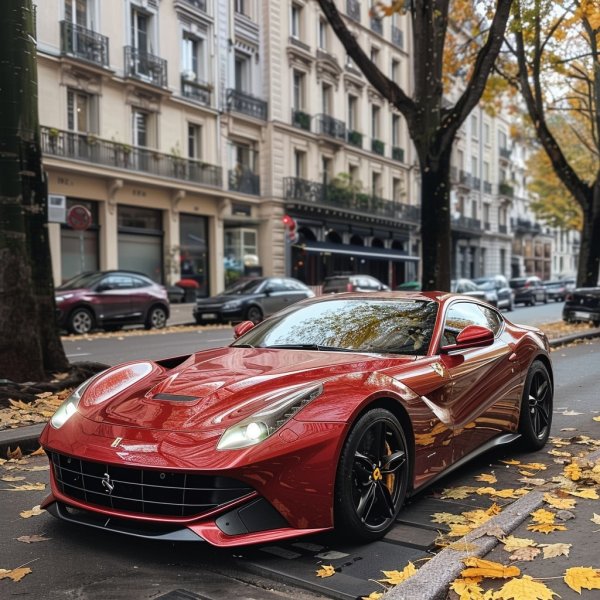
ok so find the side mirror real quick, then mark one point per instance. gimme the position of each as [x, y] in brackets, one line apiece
[472, 336]
[241, 328]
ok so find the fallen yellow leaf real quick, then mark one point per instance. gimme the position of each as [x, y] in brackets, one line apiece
[560, 503]
[12, 478]
[396, 577]
[554, 550]
[546, 528]
[457, 493]
[14, 454]
[486, 478]
[582, 577]
[588, 494]
[596, 419]
[595, 519]
[31, 539]
[573, 471]
[511, 462]
[27, 487]
[512, 543]
[326, 571]
[467, 588]
[543, 516]
[373, 596]
[534, 466]
[524, 588]
[525, 554]
[39, 452]
[478, 567]
[447, 518]
[15, 574]
[34, 512]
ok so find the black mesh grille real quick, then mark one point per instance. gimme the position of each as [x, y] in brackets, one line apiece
[151, 492]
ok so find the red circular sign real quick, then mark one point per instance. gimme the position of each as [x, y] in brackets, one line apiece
[79, 217]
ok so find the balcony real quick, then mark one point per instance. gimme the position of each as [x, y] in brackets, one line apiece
[378, 147]
[464, 178]
[397, 37]
[145, 67]
[300, 119]
[505, 189]
[246, 104]
[398, 153]
[330, 127]
[502, 229]
[377, 25]
[525, 226]
[244, 180]
[463, 224]
[83, 43]
[505, 153]
[476, 183]
[331, 195]
[198, 91]
[199, 4]
[88, 148]
[353, 9]
[487, 187]
[355, 138]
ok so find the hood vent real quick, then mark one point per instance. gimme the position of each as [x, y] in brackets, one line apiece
[175, 397]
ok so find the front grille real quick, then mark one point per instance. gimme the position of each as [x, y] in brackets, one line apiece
[146, 491]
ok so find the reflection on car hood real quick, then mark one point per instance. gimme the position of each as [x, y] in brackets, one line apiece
[214, 382]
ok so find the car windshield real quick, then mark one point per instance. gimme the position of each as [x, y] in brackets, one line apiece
[244, 287]
[83, 280]
[379, 326]
[485, 284]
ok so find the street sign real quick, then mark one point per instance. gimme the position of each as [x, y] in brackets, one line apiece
[57, 208]
[79, 217]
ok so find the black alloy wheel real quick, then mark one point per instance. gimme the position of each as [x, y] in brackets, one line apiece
[536, 407]
[254, 314]
[372, 477]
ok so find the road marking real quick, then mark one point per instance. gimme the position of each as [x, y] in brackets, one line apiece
[82, 354]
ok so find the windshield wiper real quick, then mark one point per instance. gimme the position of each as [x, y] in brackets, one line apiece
[243, 346]
[309, 347]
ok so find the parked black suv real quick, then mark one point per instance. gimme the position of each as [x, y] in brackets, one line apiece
[583, 304]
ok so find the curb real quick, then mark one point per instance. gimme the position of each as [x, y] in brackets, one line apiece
[26, 438]
[567, 339]
[433, 579]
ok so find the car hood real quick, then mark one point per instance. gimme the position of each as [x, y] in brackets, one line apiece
[214, 389]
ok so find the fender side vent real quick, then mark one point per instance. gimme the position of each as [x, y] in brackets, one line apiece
[175, 398]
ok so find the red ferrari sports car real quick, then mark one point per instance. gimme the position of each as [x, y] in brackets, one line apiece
[328, 414]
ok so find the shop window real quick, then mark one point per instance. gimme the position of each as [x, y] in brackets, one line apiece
[79, 249]
[193, 251]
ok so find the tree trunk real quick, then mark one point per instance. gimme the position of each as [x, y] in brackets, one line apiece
[436, 237]
[29, 344]
[588, 267]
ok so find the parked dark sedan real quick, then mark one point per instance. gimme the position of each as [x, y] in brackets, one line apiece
[556, 290]
[252, 300]
[109, 300]
[353, 283]
[583, 304]
[528, 290]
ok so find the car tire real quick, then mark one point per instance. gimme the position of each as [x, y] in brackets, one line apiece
[372, 477]
[545, 299]
[510, 306]
[535, 419]
[157, 318]
[254, 314]
[532, 301]
[81, 321]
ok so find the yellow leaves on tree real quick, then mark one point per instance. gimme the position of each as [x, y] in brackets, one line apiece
[582, 577]
[524, 588]
[478, 567]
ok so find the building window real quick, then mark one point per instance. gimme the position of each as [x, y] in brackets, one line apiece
[242, 72]
[474, 169]
[194, 141]
[354, 175]
[486, 133]
[323, 34]
[140, 128]
[78, 12]
[395, 71]
[375, 112]
[502, 139]
[352, 112]
[326, 95]
[298, 96]
[296, 21]
[192, 58]
[376, 184]
[326, 169]
[300, 164]
[397, 189]
[140, 31]
[244, 7]
[82, 112]
[396, 130]
[375, 55]
[486, 171]
[474, 132]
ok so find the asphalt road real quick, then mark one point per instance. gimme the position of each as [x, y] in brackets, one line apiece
[83, 564]
[114, 348]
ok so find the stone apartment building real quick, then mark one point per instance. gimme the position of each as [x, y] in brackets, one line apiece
[189, 128]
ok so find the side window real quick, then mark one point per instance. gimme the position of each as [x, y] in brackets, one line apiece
[139, 283]
[459, 316]
[275, 285]
[494, 320]
[117, 282]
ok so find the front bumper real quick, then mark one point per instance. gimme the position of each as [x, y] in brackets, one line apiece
[579, 314]
[217, 315]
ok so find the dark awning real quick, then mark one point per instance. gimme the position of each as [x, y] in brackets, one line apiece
[366, 251]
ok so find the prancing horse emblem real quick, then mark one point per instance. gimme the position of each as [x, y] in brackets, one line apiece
[107, 484]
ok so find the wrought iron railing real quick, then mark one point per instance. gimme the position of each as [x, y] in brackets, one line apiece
[468, 223]
[244, 180]
[502, 229]
[398, 153]
[301, 119]
[327, 125]
[505, 153]
[505, 189]
[355, 138]
[83, 43]
[246, 104]
[198, 91]
[464, 178]
[476, 183]
[377, 146]
[89, 148]
[145, 66]
[329, 194]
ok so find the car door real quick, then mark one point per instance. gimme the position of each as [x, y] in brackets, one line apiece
[483, 379]
[113, 293]
[139, 298]
[275, 296]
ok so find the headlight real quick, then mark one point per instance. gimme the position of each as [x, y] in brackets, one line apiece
[63, 297]
[267, 421]
[232, 304]
[69, 407]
